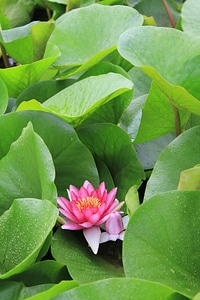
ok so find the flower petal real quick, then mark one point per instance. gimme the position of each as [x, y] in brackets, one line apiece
[92, 236]
[105, 237]
[71, 226]
[114, 224]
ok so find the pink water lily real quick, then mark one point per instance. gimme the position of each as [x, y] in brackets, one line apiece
[88, 208]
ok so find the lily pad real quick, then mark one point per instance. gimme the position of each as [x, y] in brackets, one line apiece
[62, 142]
[21, 233]
[82, 48]
[27, 170]
[70, 248]
[170, 61]
[181, 154]
[162, 241]
[190, 17]
[124, 288]
[78, 101]
[110, 144]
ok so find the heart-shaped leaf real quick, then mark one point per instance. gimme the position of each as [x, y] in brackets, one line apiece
[122, 288]
[190, 17]
[181, 154]
[27, 170]
[20, 77]
[170, 61]
[62, 142]
[108, 142]
[4, 97]
[78, 101]
[30, 39]
[70, 248]
[24, 229]
[162, 241]
[82, 47]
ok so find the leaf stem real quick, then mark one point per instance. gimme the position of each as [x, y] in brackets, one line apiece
[177, 121]
[169, 13]
[5, 58]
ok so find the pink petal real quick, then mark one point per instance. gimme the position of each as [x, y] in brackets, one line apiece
[86, 224]
[88, 186]
[94, 218]
[68, 215]
[114, 224]
[101, 190]
[92, 236]
[83, 193]
[73, 189]
[71, 226]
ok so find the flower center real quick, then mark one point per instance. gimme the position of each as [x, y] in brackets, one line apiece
[88, 202]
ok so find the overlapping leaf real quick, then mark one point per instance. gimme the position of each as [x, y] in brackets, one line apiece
[162, 241]
[21, 233]
[173, 70]
[181, 154]
[78, 101]
[62, 142]
[86, 35]
[27, 170]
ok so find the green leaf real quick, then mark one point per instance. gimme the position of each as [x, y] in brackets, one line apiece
[11, 290]
[190, 179]
[157, 10]
[132, 200]
[179, 155]
[77, 33]
[112, 145]
[62, 142]
[170, 62]
[157, 117]
[43, 90]
[20, 77]
[197, 297]
[43, 272]
[54, 291]
[70, 248]
[27, 170]
[4, 97]
[190, 17]
[123, 289]
[78, 101]
[159, 241]
[24, 229]
[31, 39]
[18, 12]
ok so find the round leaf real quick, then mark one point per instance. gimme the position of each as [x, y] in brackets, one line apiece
[23, 230]
[123, 289]
[78, 101]
[190, 17]
[4, 97]
[170, 62]
[27, 170]
[113, 146]
[62, 142]
[179, 155]
[70, 248]
[162, 241]
[86, 35]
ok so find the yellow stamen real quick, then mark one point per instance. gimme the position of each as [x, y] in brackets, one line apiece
[88, 202]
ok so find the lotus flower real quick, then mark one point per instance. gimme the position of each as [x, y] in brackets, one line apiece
[88, 209]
